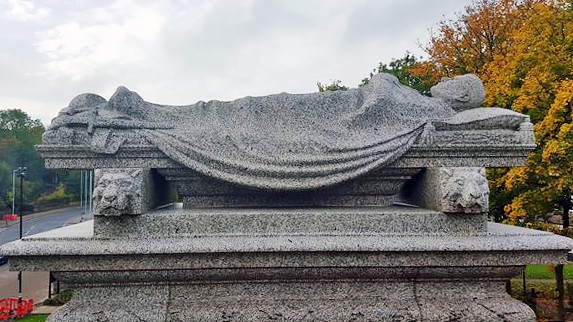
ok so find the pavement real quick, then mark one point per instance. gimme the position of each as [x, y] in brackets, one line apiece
[5, 224]
[31, 276]
[44, 309]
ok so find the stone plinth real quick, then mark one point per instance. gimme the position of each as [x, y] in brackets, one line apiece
[263, 276]
[324, 221]
[361, 205]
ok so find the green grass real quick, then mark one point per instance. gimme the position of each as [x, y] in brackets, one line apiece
[34, 318]
[543, 286]
[542, 279]
[542, 272]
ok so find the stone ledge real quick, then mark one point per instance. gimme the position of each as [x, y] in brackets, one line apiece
[283, 221]
[146, 156]
[78, 240]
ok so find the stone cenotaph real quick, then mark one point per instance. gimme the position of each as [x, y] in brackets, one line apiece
[361, 205]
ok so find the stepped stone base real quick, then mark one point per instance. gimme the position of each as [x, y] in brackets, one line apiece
[378, 275]
[344, 300]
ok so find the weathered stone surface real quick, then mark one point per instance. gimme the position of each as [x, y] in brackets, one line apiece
[461, 92]
[128, 191]
[118, 192]
[348, 301]
[284, 141]
[289, 209]
[451, 190]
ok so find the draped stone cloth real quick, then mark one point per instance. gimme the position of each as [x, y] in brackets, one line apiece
[283, 141]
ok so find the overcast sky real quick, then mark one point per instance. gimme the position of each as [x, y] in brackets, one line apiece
[178, 52]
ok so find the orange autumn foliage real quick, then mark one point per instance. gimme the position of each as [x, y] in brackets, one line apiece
[466, 44]
[523, 51]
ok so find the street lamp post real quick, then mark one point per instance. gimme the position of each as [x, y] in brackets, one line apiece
[21, 173]
[14, 190]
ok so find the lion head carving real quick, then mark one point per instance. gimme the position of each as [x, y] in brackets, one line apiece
[464, 190]
[117, 192]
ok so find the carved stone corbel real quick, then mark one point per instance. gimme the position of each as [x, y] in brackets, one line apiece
[450, 190]
[128, 191]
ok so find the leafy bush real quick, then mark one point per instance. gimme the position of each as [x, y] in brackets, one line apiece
[56, 198]
[59, 299]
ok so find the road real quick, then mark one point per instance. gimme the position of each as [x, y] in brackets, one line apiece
[37, 223]
[34, 284]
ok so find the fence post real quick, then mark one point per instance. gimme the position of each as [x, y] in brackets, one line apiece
[560, 291]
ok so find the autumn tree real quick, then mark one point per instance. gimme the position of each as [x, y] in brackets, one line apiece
[534, 77]
[522, 50]
[465, 44]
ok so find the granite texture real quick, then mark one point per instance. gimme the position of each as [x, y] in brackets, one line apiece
[112, 303]
[286, 274]
[283, 141]
[129, 191]
[461, 190]
[461, 92]
[501, 245]
[361, 277]
[118, 192]
[251, 222]
[288, 208]
[457, 150]
[490, 118]
[206, 263]
[349, 301]
[377, 188]
[326, 300]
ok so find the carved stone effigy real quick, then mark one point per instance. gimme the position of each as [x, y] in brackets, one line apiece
[362, 205]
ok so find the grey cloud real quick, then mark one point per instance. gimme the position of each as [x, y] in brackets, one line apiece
[392, 20]
[222, 49]
[228, 27]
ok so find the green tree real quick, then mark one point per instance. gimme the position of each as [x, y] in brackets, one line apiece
[18, 135]
[397, 67]
[401, 68]
[16, 127]
[5, 185]
[335, 85]
[71, 181]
